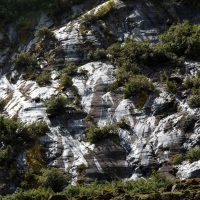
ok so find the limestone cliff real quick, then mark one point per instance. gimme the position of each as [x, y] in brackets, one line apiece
[163, 126]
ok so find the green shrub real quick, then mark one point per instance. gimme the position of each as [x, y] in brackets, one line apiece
[32, 194]
[66, 81]
[14, 132]
[56, 105]
[137, 84]
[183, 39]
[45, 33]
[177, 159]
[163, 76]
[71, 69]
[54, 178]
[193, 154]
[98, 54]
[192, 82]
[194, 101]
[24, 60]
[113, 86]
[171, 86]
[122, 123]
[95, 134]
[44, 78]
[71, 191]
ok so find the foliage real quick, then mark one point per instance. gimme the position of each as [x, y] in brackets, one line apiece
[43, 78]
[183, 39]
[45, 33]
[163, 76]
[34, 158]
[137, 84]
[171, 86]
[194, 101]
[24, 60]
[177, 159]
[192, 155]
[66, 81]
[95, 134]
[152, 184]
[99, 54]
[70, 69]
[15, 133]
[54, 178]
[56, 105]
[16, 138]
[32, 194]
[193, 84]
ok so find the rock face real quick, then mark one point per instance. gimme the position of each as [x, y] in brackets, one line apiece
[163, 127]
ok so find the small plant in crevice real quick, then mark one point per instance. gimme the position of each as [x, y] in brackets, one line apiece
[122, 123]
[163, 76]
[141, 100]
[77, 101]
[171, 86]
[89, 117]
[81, 173]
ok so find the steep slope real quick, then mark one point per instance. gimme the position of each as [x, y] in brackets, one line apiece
[163, 126]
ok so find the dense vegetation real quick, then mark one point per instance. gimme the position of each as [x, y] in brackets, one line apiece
[112, 189]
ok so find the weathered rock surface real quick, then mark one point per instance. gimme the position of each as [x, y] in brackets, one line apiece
[164, 126]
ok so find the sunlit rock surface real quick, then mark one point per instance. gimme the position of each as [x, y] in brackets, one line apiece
[163, 127]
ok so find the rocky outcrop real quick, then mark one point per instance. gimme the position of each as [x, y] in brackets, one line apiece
[164, 126]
